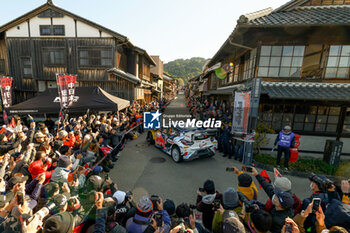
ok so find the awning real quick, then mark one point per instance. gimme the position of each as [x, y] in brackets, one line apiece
[228, 90]
[307, 91]
[124, 75]
[93, 98]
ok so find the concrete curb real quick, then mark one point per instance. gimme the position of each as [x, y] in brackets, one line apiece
[294, 173]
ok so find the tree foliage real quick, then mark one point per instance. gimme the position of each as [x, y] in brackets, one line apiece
[181, 81]
[185, 68]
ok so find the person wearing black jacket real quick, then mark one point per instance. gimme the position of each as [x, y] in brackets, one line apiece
[205, 203]
[5, 146]
[283, 203]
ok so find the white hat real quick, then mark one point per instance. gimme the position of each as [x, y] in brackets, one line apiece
[283, 183]
[120, 196]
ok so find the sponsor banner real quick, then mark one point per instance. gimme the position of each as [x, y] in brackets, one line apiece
[6, 91]
[66, 89]
[241, 112]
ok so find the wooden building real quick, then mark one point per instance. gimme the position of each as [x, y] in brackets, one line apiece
[302, 53]
[170, 86]
[157, 78]
[50, 40]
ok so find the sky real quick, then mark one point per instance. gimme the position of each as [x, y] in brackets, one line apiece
[172, 29]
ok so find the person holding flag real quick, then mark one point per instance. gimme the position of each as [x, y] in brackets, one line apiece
[282, 202]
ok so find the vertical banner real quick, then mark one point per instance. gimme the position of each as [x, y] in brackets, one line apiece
[6, 91]
[241, 112]
[66, 89]
[6, 95]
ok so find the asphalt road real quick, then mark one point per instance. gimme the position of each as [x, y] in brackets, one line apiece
[145, 170]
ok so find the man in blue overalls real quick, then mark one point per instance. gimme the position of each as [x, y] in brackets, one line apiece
[285, 140]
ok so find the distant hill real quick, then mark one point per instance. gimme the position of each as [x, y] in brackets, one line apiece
[185, 69]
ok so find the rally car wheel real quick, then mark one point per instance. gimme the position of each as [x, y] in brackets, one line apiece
[150, 138]
[176, 155]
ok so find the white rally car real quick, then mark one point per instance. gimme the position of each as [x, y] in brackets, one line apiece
[183, 144]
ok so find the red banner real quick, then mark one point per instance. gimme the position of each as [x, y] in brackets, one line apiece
[6, 92]
[66, 89]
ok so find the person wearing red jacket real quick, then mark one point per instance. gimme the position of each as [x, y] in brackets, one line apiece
[70, 140]
[40, 165]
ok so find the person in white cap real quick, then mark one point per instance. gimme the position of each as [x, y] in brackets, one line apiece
[285, 185]
[285, 140]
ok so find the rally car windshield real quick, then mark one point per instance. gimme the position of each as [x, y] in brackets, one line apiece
[198, 136]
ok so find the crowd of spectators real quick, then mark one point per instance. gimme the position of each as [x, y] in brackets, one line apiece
[54, 179]
[54, 175]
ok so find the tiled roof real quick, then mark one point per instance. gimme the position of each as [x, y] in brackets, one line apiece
[307, 90]
[307, 15]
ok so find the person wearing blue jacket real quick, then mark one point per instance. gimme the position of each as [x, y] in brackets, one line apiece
[143, 217]
[285, 140]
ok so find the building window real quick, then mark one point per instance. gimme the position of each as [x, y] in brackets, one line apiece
[95, 57]
[281, 61]
[53, 57]
[41, 86]
[2, 66]
[346, 126]
[236, 73]
[302, 118]
[49, 13]
[338, 61]
[26, 67]
[249, 64]
[52, 30]
[213, 81]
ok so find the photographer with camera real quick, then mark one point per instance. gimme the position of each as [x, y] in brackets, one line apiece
[246, 184]
[125, 206]
[282, 201]
[230, 201]
[205, 203]
[185, 215]
[142, 218]
[319, 185]
[312, 208]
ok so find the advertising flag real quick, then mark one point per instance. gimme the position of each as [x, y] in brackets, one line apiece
[264, 174]
[6, 91]
[66, 89]
[241, 112]
[276, 173]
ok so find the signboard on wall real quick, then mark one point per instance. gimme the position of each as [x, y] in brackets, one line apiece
[241, 112]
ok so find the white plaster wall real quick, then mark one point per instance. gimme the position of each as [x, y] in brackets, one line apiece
[104, 34]
[35, 23]
[22, 31]
[310, 143]
[69, 25]
[85, 30]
